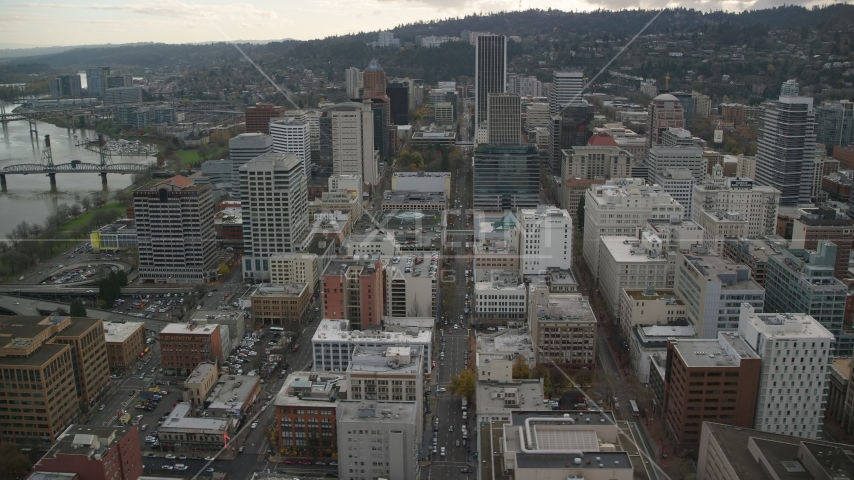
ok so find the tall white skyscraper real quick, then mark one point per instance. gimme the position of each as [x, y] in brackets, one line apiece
[352, 139]
[795, 349]
[504, 119]
[490, 71]
[665, 112]
[784, 158]
[353, 82]
[243, 148]
[292, 135]
[275, 210]
[566, 88]
[546, 239]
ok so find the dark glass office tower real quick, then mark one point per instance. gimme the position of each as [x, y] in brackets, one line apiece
[490, 71]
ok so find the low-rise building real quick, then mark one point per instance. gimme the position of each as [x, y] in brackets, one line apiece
[333, 343]
[183, 432]
[563, 329]
[118, 235]
[561, 445]
[389, 446]
[183, 346]
[693, 393]
[571, 192]
[280, 305]
[300, 267]
[648, 341]
[232, 396]
[509, 342]
[650, 306]
[306, 414]
[232, 325]
[95, 453]
[499, 297]
[372, 243]
[422, 182]
[497, 400]
[125, 342]
[414, 200]
[754, 253]
[496, 241]
[736, 453]
[199, 384]
[719, 225]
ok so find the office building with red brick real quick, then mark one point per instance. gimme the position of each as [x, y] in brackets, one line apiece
[258, 117]
[183, 346]
[306, 412]
[709, 381]
[95, 453]
[816, 224]
[353, 290]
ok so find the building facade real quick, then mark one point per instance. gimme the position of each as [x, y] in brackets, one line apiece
[546, 239]
[258, 117]
[504, 119]
[183, 346]
[563, 330]
[490, 72]
[95, 453]
[353, 290]
[380, 439]
[125, 342]
[506, 177]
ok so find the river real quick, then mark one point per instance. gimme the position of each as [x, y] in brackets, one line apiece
[29, 197]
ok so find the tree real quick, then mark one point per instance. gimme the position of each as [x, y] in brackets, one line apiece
[223, 270]
[583, 378]
[60, 311]
[12, 461]
[463, 385]
[77, 308]
[520, 368]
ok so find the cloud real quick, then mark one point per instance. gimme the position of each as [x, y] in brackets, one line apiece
[459, 5]
[167, 8]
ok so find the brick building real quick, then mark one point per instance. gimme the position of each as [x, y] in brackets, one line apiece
[88, 345]
[184, 345]
[353, 290]
[280, 305]
[95, 453]
[125, 343]
[709, 381]
[306, 412]
[258, 117]
[815, 224]
[845, 155]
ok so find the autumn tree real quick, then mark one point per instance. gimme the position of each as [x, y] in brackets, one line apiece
[223, 270]
[12, 461]
[463, 385]
[520, 368]
[583, 378]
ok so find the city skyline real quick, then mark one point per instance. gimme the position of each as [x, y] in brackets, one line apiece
[59, 22]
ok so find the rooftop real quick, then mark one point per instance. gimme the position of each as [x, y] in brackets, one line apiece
[310, 388]
[200, 372]
[663, 294]
[399, 360]
[373, 412]
[509, 341]
[285, 290]
[422, 174]
[432, 199]
[336, 331]
[87, 440]
[188, 329]
[567, 308]
[497, 279]
[397, 324]
[630, 249]
[232, 391]
[714, 268]
[782, 325]
[118, 332]
[499, 397]
[750, 453]
[725, 351]
[179, 420]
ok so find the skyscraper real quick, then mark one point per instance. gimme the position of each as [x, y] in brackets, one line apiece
[258, 117]
[506, 177]
[243, 148]
[175, 231]
[687, 101]
[490, 71]
[275, 210]
[504, 119]
[96, 80]
[291, 135]
[835, 123]
[351, 131]
[566, 88]
[373, 80]
[572, 127]
[784, 159]
[353, 83]
[665, 112]
[398, 95]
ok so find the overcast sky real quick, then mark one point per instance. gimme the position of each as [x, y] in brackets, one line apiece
[80, 22]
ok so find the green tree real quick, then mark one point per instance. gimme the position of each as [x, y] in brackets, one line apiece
[223, 270]
[77, 308]
[463, 385]
[520, 368]
[12, 461]
[110, 288]
[122, 278]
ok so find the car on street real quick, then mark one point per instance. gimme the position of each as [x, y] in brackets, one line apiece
[152, 455]
[442, 389]
[451, 428]
[442, 452]
[169, 456]
[209, 458]
[465, 470]
[210, 470]
[167, 467]
[254, 424]
[288, 462]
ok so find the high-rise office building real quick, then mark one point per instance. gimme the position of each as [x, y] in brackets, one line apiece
[504, 119]
[353, 82]
[243, 148]
[373, 80]
[835, 123]
[572, 127]
[546, 241]
[96, 80]
[790, 88]
[789, 340]
[175, 231]
[291, 135]
[566, 88]
[351, 134]
[66, 86]
[506, 177]
[398, 95]
[275, 210]
[758, 204]
[258, 116]
[784, 158]
[814, 225]
[490, 72]
[665, 112]
[687, 102]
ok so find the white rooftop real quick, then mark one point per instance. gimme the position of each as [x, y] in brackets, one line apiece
[188, 329]
[179, 419]
[336, 331]
[119, 332]
[232, 391]
[632, 250]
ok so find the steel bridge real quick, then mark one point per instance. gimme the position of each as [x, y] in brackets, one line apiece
[50, 169]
